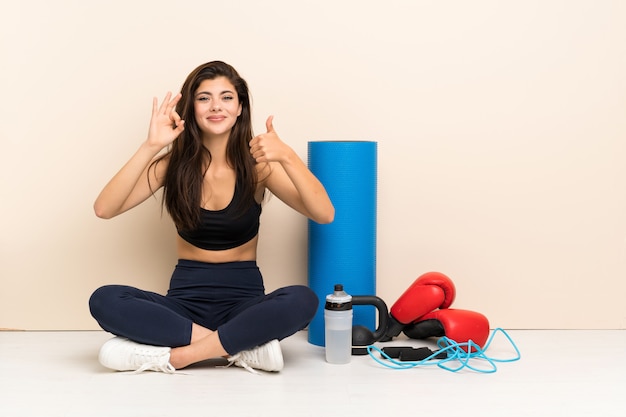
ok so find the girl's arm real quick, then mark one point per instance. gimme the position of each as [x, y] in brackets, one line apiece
[130, 186]
[289, 178]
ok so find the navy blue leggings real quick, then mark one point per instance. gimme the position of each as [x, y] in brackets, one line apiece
[228, 297]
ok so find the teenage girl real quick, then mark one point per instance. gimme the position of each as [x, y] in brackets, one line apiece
[214, 174]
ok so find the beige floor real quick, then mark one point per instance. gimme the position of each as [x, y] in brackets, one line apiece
[561, 373]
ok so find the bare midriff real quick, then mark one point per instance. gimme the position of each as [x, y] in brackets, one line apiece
[245, 252]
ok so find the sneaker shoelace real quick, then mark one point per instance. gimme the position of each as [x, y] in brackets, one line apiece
[237, 360]
[156, 366]
[150, 362]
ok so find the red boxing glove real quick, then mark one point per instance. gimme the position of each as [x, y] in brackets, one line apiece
[458, 325]
[429, 292]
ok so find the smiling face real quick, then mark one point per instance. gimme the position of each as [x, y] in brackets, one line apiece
[216, 107]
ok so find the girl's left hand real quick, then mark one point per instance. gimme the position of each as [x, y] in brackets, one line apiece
[268, 147]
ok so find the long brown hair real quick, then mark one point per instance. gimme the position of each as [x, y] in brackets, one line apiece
[189, 158]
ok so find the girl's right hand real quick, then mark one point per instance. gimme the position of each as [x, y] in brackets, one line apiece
[165, 123]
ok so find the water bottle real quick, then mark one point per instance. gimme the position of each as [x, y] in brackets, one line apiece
[338, 326]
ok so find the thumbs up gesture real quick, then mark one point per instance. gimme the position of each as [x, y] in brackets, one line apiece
[267, 147]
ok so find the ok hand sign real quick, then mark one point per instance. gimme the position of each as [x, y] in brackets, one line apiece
[165, 124]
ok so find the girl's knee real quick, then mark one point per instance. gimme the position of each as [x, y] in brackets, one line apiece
[305, 300]
[102, 299]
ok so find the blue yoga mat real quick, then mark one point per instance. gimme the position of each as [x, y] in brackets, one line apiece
[344, 251]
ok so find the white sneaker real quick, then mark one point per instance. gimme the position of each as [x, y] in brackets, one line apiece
[122, 354]
[267, 357]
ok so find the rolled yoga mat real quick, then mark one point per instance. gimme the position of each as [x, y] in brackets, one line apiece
[344, 251]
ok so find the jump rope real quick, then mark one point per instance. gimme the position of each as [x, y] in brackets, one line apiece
[451, 356]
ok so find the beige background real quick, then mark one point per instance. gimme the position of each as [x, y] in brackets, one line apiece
[501, 129]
